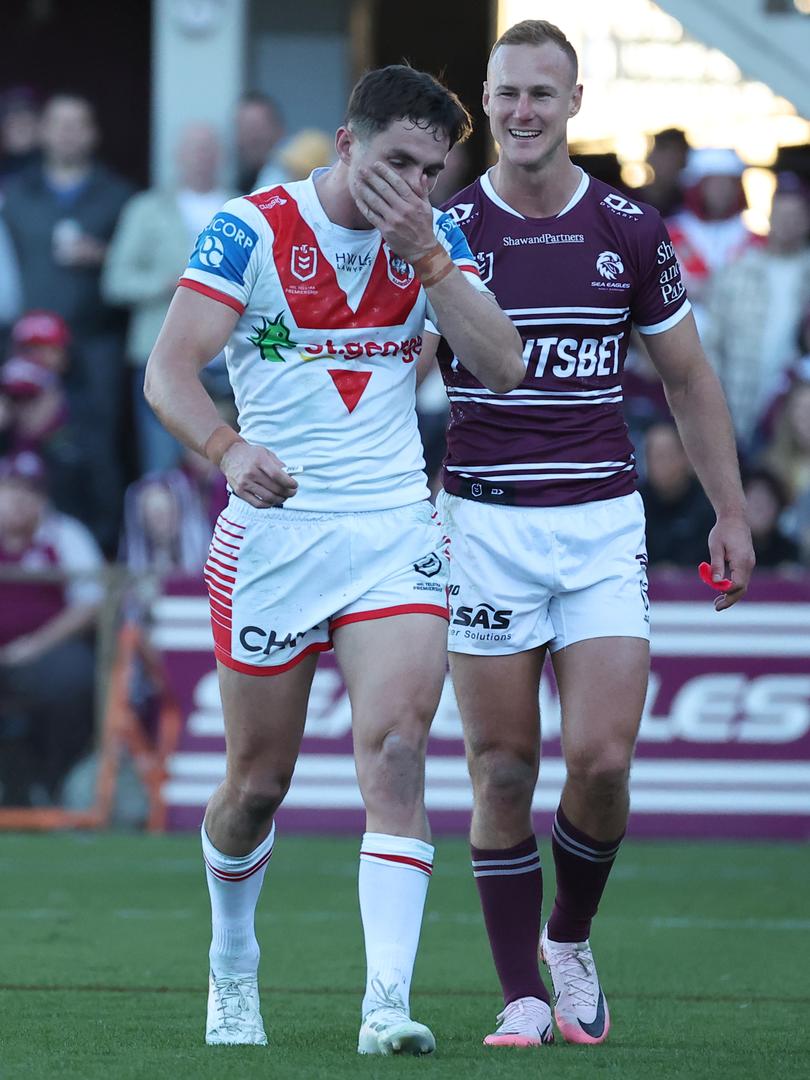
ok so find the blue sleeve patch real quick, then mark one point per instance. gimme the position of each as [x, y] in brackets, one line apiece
[224, 248]
[459, 248]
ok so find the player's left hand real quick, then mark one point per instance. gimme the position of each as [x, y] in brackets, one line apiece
[403, 216]
[732, 555]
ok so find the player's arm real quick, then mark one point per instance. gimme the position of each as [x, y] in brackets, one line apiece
[196, 329]
[699, 407]
[475, 327]
[427, 357]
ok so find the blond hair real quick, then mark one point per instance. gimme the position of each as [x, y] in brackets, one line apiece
[538, 32]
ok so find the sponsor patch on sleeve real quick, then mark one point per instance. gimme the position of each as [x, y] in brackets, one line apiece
[224, 248]
[455, 241]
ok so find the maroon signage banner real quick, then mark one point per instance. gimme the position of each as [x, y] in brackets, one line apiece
[724, 747]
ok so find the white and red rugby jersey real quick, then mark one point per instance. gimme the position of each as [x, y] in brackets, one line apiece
[322, 360]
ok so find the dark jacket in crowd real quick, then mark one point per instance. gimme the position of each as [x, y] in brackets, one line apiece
[678, 530]
[32, 210]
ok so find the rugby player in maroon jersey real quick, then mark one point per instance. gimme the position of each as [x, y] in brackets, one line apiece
[547, 528]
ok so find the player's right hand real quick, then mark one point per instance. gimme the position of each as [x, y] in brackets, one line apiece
[256, 475]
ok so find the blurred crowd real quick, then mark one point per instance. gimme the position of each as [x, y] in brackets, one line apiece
[88, 478]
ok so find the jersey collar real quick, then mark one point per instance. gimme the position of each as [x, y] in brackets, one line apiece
[493, 196]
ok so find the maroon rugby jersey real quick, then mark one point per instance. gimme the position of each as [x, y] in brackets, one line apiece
[573, 285]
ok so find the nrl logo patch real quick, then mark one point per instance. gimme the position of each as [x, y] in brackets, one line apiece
[304, 261]
[484, 260]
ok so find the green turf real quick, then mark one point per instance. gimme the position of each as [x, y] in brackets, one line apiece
[703, 951]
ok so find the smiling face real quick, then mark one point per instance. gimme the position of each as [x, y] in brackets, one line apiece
[416, 153]
[529, 96]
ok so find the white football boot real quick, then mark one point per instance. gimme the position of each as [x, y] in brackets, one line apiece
[233, 1011]
[524, 1022]
[580, 1008]
[390, 1030]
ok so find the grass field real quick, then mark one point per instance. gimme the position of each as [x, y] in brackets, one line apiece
[704, 953]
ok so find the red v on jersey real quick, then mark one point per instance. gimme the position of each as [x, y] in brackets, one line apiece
[350, 385]
[317, 300]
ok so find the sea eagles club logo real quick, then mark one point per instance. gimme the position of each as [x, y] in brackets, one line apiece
[304, 261]
[609, 265]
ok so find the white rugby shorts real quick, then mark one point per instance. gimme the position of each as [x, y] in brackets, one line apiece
[524, 576]
[281, 581]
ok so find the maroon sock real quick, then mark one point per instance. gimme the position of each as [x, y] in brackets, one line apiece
[583, 865]
[510, 884]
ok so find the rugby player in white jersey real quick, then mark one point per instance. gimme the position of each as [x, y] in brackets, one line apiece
[547, 528]
[318, 290]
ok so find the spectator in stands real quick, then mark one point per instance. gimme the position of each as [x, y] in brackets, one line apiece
[148, 252]
[259, 131]
[19, 131]
[38, 415]
[305, 151]
[61, 214]
[667, 160]
[767, 499]
[709, 233]
[168, 517]
[789, 454]
[10, 284]
[755, 311]
[679, 516]
[50, 593]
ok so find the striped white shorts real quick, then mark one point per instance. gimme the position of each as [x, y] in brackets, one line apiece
[523, 576]
[281, 581]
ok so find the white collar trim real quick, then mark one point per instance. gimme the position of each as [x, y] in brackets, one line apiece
[492, 194]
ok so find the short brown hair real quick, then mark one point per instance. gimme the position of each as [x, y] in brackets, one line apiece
[400, 92]
[538, 32]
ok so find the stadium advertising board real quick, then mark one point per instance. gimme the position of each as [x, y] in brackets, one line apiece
[724, 748]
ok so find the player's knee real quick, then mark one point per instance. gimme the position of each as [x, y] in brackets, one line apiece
[258, 797]
[604, 776]
[402, 749]
[503, 777]
[403, 730]
[393, 768]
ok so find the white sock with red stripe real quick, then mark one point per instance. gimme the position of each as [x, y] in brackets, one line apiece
[393, 881]
[234, 884]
